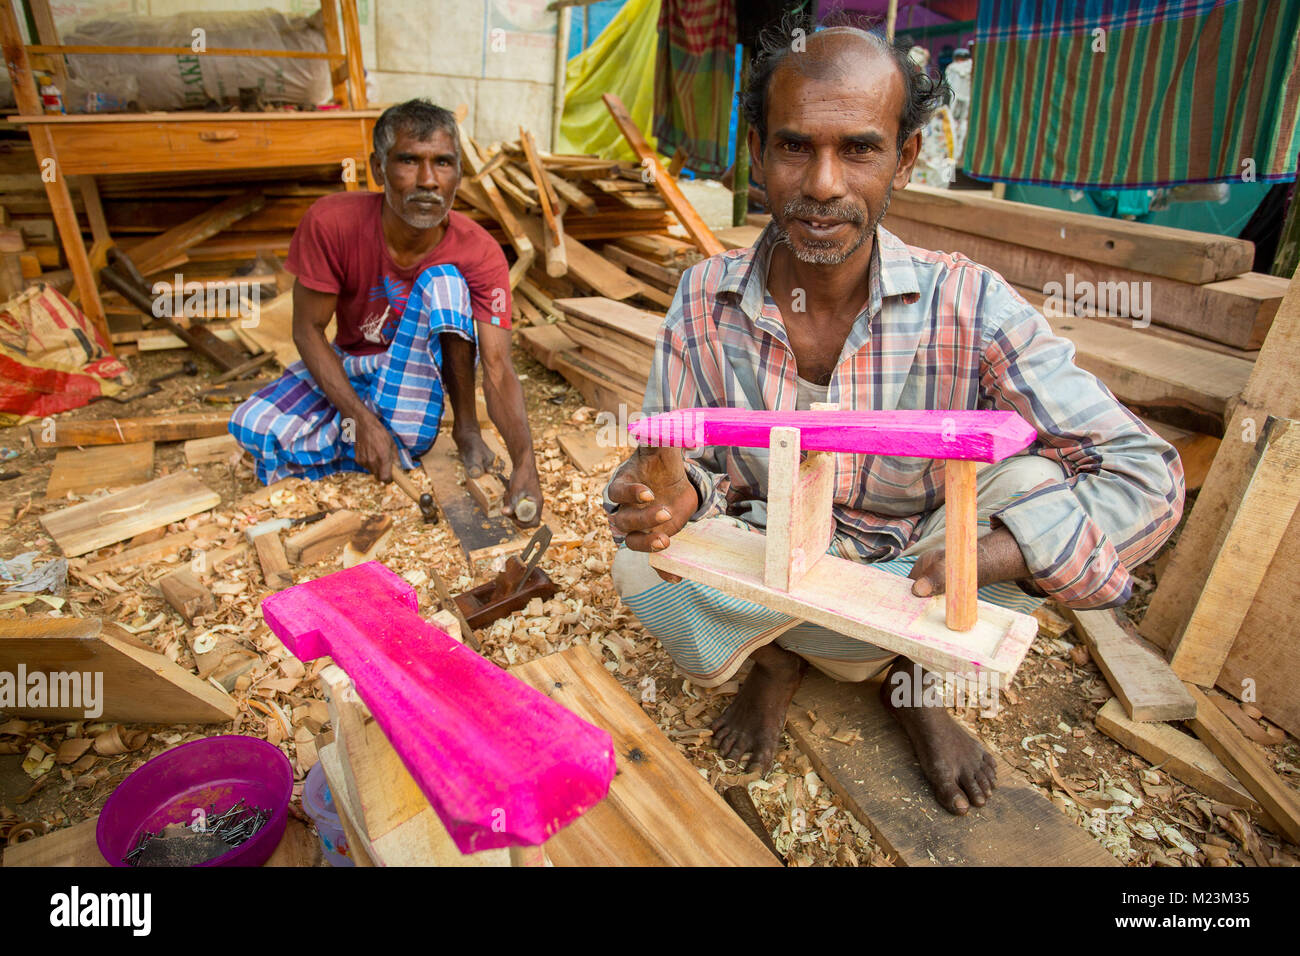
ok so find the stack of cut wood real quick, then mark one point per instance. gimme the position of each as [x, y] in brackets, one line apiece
[1170, 320]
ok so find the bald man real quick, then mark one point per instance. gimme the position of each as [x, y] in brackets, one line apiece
[828, 306]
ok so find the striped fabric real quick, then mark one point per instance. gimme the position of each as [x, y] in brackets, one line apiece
[292, 429]
[1185, 91]
[938, 332]
[694, 81]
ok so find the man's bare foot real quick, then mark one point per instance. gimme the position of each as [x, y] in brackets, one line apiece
[475, 455]
[960, 771]
[755, 719]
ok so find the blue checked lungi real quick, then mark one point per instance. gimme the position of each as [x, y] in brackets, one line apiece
[291, 428]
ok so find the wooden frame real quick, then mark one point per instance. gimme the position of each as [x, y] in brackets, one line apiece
[93, 145]
[788, 570]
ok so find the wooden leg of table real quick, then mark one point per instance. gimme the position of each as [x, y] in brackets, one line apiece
[960, 572]
[65, 220]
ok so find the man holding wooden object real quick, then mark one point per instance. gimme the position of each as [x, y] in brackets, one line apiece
[415, 287]
[829, 308]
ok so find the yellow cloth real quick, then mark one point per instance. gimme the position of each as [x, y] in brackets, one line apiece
[620, 61]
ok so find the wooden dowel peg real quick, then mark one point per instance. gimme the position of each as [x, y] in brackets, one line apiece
[961, 575]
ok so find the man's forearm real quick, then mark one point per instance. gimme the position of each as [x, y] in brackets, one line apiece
[505, 406]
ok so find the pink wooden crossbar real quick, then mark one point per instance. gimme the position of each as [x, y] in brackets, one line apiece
[501, 763]
[962, 435]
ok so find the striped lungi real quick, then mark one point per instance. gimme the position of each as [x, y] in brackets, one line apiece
[709, 634]
[292, 429]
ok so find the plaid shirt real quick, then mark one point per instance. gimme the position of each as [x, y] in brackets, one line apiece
[938, 332]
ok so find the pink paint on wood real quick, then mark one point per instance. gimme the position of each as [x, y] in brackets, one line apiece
[501, 763]
[967, 435]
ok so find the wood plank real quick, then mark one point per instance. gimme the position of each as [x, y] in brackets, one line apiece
[1141, 679]
[588, 266]
[1260, 668]
[586, 452]
[881, 784]
[659, 811]
[1196, 257]
[626, 319]
[598, 385]
[543, 342]
[663, 275]
[124, 514]
[139, 684]
[77, 846]
[211, 451]
[1269, 502]
[739, 237]
[155, 253]
[1240, 757]
[187, 595]
[800, 524]
[635, 352]
[1180, 755]
[121, 431]
[607, 350]
[854, 599]
[1236, 312]
[143, 554]
[275, 563]
[83, 470]
[1145, 372]
[322, 539]
[1197, 451]
[700, 233]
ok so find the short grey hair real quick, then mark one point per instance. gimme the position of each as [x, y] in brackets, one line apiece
[420, 118]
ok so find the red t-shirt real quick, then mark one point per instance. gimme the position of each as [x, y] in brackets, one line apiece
[339, 248]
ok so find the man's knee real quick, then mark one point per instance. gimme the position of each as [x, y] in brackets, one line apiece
[1016, 476]
[632, 573]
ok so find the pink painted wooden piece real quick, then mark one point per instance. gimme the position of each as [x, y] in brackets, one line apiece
[501, 763]
[969, 435]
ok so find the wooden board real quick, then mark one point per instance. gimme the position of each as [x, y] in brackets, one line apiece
[275, 563]
[1260, 666]
[1242, 758]
[602, 386]
[209, 451]
[1269, 502]
[881, 784]
[854, 599]
[143, 554]
[124, 514]
[1181, 254]
[323, 538]
[1141, 679]
[617, 316]
[695, 227]
[586, 265]
[544, 341]
[586, 452]
[474, 530]
[187, 595]
[1180, 755]
[1146, 372]
[121, 431]
[1197, 451]
[139, 684]
[155, 253]
[659, 811]
[76, 846]
[1236, 312]
[83, 470]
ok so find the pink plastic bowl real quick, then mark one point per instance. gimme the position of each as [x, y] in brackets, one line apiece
[212, 774]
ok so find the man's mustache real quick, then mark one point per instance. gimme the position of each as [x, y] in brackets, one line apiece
[808, 209]
[426, 197]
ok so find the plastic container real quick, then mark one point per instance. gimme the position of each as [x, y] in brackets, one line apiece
[211, 774]
[318, 803]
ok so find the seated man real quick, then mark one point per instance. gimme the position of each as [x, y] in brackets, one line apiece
[827, 307]
[413, 285]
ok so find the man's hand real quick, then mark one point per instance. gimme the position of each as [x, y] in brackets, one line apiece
[998, 556]
[376, 451]
[655, 499]
[524, 483]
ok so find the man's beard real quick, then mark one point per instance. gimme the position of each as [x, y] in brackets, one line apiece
[414, 218]
[827, 252]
